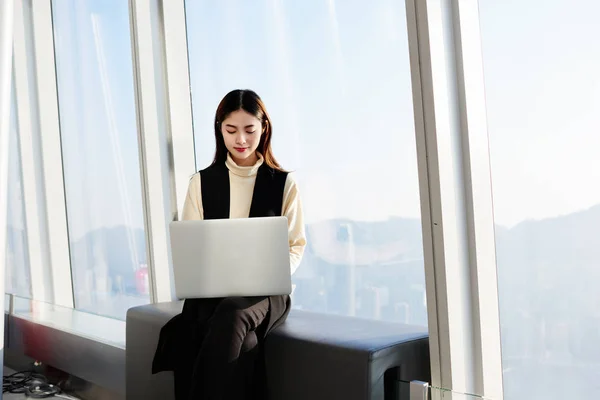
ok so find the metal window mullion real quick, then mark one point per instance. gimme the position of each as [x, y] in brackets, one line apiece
[479, 193]
[178, 96]
[29, 148]
[6, 44]
[414, 39]
[154, 147]
[51, 148]
[456, 195]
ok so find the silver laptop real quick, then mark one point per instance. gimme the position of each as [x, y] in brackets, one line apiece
[231, 257]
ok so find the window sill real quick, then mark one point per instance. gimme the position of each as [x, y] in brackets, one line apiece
[103, 329]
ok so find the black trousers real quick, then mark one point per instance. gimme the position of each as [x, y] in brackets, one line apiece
[227, 361]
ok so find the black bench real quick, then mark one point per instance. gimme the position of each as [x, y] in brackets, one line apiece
[311, 356]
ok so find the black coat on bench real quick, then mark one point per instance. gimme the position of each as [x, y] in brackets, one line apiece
[182, 335]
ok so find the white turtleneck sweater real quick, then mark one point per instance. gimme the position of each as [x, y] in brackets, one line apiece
[241, 181]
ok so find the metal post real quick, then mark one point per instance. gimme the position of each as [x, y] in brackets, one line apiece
[6, 35]
[419, 390]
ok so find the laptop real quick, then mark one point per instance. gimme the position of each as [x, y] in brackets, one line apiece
[231, 257]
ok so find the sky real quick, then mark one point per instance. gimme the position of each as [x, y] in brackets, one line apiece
[336, 80]
[338, 92]
[543, 95]
[97, 115]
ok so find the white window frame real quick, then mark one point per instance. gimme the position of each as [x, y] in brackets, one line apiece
[456, 196]
[179, 101]
[41, 153]
[164, 117]
[30, 156]
[6, 55]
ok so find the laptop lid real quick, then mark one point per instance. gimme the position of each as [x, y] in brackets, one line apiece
[231, 257]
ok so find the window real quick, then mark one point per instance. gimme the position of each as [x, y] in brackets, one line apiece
[543, 97]
[100, 153]
[335, 78]
[18, 280]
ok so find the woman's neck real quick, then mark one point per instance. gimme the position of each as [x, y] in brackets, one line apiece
[246, 162]
[247, 169]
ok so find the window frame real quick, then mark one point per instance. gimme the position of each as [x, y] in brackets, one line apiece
[6, 55]
[164, 123]
[456, 196]
[41, 154]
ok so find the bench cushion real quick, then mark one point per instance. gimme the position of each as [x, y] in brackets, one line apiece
[311, 355]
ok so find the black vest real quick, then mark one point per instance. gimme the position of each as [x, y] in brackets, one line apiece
[267, 198]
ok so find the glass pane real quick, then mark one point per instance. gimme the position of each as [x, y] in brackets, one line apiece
[543, 97]
[17, 261]
[100, 152]
[338, 91]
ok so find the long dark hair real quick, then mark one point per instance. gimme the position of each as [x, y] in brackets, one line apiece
[250, 102]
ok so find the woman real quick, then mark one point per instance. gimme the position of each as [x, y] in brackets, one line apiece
[214, 345]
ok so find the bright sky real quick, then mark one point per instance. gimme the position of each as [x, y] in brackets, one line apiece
[336, 81]
[335, 77]
[543, 98]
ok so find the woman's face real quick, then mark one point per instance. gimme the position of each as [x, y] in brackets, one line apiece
[241, 132]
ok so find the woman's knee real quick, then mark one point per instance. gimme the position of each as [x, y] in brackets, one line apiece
[241, 312]
[250, 342]
[231, 305]
[231, 310]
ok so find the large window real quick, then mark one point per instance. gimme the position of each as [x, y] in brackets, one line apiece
[336, 80]
[17, 262]
[543, 96]
[100, 152]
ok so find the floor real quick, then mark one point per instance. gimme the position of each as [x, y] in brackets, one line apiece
[14, 396]
[10, 396]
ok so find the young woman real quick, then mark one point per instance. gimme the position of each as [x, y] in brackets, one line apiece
[214, 345]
